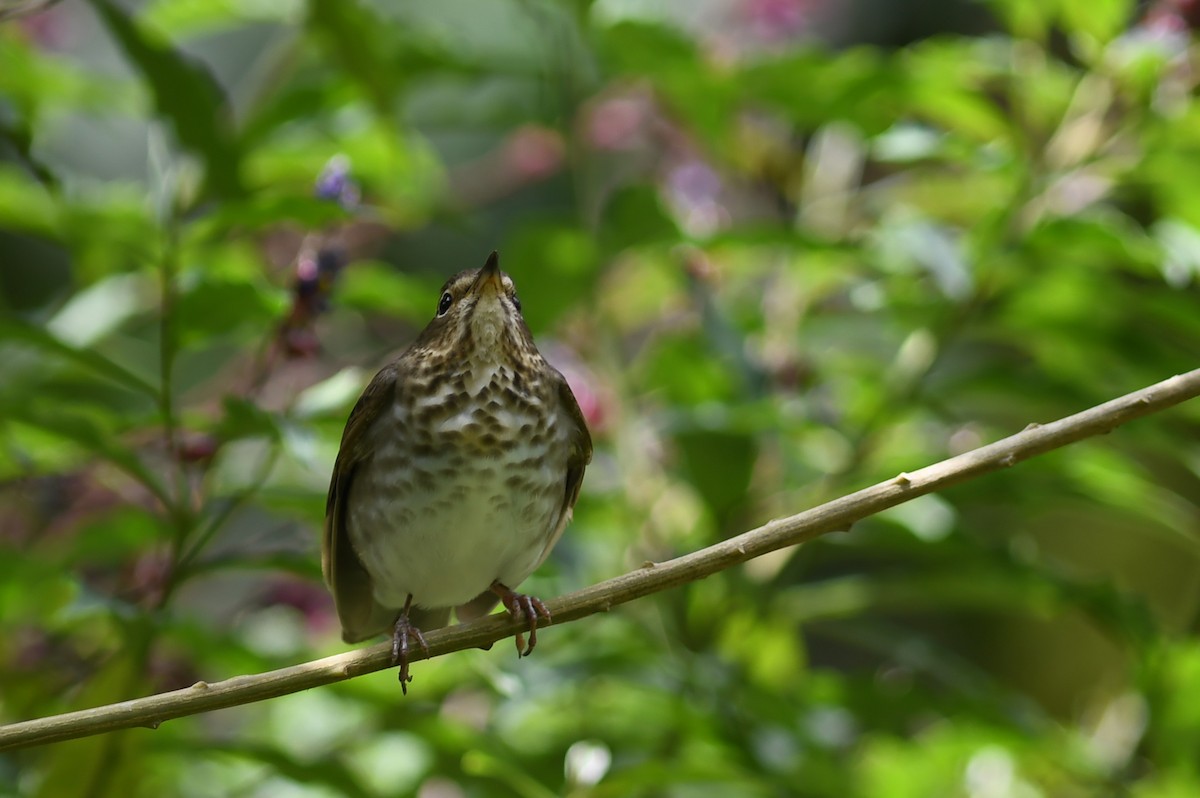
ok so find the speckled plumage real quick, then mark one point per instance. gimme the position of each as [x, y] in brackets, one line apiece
[457, 473]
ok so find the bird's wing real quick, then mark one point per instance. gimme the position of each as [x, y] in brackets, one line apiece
[349, 582]
[580, 454]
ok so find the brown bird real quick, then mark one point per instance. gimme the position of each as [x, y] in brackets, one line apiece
[458, 470]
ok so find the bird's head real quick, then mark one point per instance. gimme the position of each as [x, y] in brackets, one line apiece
[479, 318]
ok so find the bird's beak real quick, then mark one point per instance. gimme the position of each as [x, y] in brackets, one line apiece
[489, 277]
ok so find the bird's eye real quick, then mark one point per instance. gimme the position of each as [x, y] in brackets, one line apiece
[444, 303]
[516, 302]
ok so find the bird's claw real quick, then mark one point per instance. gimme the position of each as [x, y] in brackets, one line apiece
[521, 606]
[403, 633]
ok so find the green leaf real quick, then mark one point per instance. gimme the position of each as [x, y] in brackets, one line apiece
[186, 94]
[555, 265]
[812, 88]
[383, 59]
[264, 211]
[1103, 20]
[212, 308]
[1029, 19]
[635, 217]
[102, 308]
[88, 358]
[639, 48]
[35, 80]
[1175, 690]
[244, 419]
[115, 538]
[382, 288]
[104, 764]
[718, 463]
[705, 97]
[26, 204]
[199, 17]
[945, 85]
[92, 434]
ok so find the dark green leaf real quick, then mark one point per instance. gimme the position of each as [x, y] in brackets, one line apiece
[186, 94]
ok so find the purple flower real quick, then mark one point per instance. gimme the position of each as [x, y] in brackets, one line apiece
[334, 183]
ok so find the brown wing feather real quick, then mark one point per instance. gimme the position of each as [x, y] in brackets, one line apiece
[577, 460]
[353, 592]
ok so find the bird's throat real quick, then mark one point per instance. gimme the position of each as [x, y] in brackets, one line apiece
[487, 327]
[487, 339]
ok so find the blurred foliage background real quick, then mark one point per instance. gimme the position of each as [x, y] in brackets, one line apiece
[783, 249]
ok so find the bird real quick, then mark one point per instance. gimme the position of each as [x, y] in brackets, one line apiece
[458, 470]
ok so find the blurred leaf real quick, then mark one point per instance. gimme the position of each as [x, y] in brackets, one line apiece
[244, 419]
[196, 17]
[210, 308]
[333, 394]
[719, 464]
[34, 80]
[1103, 20]
[640, 48]
[88, 358]
[635, 217]
[952, 754]
[354, 33]
[400, 172]
[554, 266]
[671, 62]
[265, 211]
[186, 94]
[1025, 18]
[382, 288]
[1176, 693]
[31, 589]
[946, 82]
[292, 102]
[116, 537]
[94, 313]
[104, 764]
[811, 87]
[26, 205]
[688, 373]
[290, 775]
[93, 436]
[383, 59]
[642, 287]
[971, 588]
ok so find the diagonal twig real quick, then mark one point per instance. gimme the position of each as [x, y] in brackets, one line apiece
[650, 578]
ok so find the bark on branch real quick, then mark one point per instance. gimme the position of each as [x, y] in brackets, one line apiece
[651, 578]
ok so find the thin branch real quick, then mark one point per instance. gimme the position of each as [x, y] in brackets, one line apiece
[650, 578]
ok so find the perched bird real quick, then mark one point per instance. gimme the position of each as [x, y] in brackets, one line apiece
[458, 470]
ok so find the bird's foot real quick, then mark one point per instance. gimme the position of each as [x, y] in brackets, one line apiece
[404, 633]
[521, 606]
